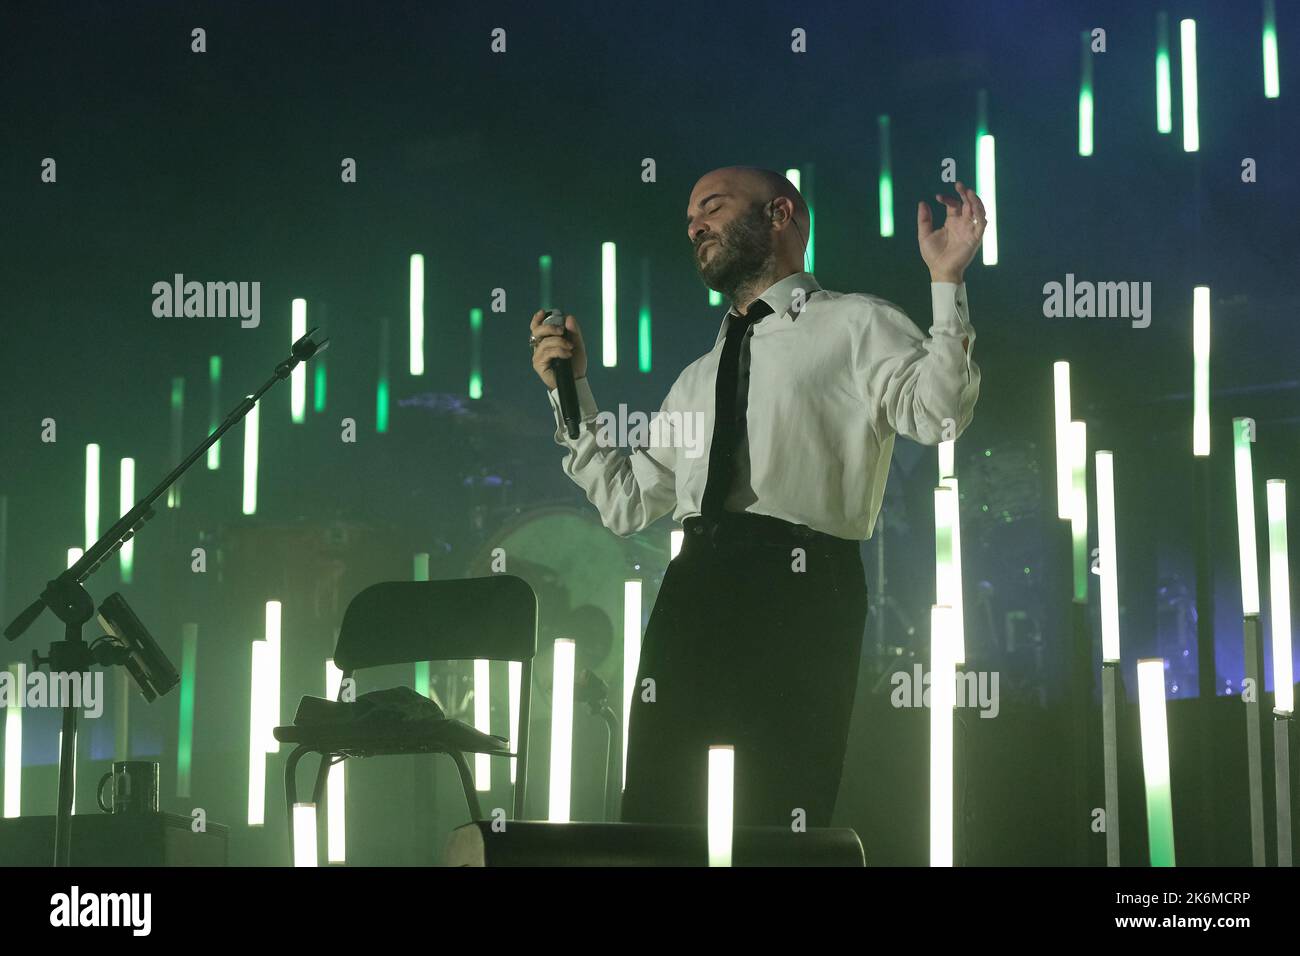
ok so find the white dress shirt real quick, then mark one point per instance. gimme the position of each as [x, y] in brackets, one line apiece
[832, 378]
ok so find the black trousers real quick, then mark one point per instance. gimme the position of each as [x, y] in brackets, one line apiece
[744, 649]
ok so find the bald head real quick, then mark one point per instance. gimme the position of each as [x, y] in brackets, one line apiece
[760, 224]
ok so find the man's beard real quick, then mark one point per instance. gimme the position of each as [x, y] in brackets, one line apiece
[743, 253]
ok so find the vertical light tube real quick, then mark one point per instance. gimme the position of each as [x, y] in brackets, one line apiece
[1164, 84]
[515, 671]
[475, 353]
[257, 721]
[986, 187]
[304, 834]
[1085, 96]
[1187, 63]
[298, 377]
[335, 784]
[1155, 760]
[1061, 383]
[561, 731]
[420, 572]
[185, 722]
[544, 272]
[14, 748]
[1279, 597]
[945, 571]
[250, 459]
[1107, 556]
[715, 297]
[722, 794]
[1079, 507]
[797, 180]
[643, 319]
[318, 389]
[214, 410]
[943, 694]
[608, 306]
[273, 657]
[482, 721]
[381, 391]
[1244, 475]
[675, 539]
[957, 603]
[74, 555]
[177, 426]
[1272, 83]
[1201, 370]
[631, 654]
[947, 454]
[92, 494]
[417, 314]
[125, 501]
[885, 191]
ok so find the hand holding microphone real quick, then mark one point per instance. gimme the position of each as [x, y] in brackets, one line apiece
[559, 358]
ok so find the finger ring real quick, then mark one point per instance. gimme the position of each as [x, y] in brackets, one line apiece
[532, 343]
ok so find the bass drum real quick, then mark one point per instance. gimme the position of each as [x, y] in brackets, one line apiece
[577, 567]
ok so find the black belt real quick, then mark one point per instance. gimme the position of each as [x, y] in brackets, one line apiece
[735, 527]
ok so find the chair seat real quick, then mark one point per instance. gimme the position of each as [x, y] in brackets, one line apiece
[419, 737]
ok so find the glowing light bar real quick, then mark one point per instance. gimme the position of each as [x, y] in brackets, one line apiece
[943, 700]
[1279, 594]
[1155, 760]
[482, 721]
[947, 450]
[986, 187]
[92, 494]
[515, 670]
[476, 353]
[1107, 556]
[946, 583]
[214, 410]
[1079, 506]
[675, 539]
[544, 269]
[74, 555]
[14, 749]
[1272, 84]
[381, 390]
[185, 723]
[885, 192]
[1164, 84]
[722, 792]
[958, 604]
[417, 314]
[1187, 61]
[304, 834]
[420, 572]
[335, 784]
[1245, 481]
[715, 297]
[298, 377]
[561, 732]
[318, 389]
[125, 501]
[257, 722]
[631, 654]
[177, 425]
[1201, 370]
[643, 320]
[272, 711]
[1061, 381]
[608, 306]
[796, 179]
[250, 459]
[1085, 99]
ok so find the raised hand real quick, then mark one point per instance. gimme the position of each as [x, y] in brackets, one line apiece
[949, 249]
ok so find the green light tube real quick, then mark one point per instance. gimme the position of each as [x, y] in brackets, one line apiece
[214, 410]
[885, 192]
[14, 749]
[1187, 62]
[1272, 83]
[1061, 390]
[476, 353]
[986, 187]
[1107, 556]
[722, 802]
[1279, 594]
[177, 431]
[956, 601]
[515, 675]
[125, 501]
[561, 732]
[1201, 371]
[544, 269]
[298, 377]
[945, 573]
[947, 452]
[482, 721]
[1243, 474]
[417, 315]
[257, 722]
[318, 389]
[643, 320]
[381, 392]
[797, 180]
[943, 700]
[92, 494]
[273, 656]
[304, 834]
[1164, 84]
[1079, 506]
[250, 459]
[631, 654]
[715, 297]
[185, 733]
[1085, 98]
[336, 784]
[608, 306]
[1155, 760]
[420, 572]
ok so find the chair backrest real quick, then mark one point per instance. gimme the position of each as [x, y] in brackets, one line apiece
[401, 622]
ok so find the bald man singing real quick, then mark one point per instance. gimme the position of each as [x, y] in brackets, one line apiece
[756, 635]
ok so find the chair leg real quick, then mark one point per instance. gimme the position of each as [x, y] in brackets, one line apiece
[291, 789]
[467, 782]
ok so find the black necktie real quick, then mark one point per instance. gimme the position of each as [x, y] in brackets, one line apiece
[726, 429]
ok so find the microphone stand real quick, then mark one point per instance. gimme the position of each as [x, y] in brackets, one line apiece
[68, 599]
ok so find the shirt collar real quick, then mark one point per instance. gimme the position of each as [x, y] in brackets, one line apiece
[780, 297]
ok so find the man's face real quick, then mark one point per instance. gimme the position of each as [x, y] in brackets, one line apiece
[731, 237]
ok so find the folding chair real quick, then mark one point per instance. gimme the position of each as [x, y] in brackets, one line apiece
[402, 622]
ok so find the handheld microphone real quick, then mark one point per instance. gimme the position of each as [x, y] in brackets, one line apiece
[563, 371]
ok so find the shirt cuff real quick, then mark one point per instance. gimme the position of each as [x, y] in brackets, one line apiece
[951, 314]
[587, 409]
